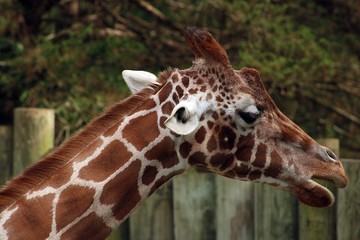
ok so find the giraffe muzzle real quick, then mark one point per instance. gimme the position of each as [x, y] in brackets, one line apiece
[327, 168]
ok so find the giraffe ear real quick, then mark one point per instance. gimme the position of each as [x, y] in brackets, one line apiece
[183, 119]
[138, 80]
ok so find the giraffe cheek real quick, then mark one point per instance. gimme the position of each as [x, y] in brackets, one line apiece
[260, 157]
[227, 138]
[242, 170]
[197, 159]
[243, 154]
[275, 166]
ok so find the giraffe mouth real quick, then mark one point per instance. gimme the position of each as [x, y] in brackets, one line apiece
[312, 192]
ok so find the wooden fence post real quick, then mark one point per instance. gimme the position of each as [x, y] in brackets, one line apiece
[348, 210]
[319, 223]
[33, 136]
[153, 220]
[6, 142]
[234, 209]
[275, 214]
[194, 206]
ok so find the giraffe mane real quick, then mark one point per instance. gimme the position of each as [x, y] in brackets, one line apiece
[59, 157]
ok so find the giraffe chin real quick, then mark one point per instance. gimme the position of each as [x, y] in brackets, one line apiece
[314, 194]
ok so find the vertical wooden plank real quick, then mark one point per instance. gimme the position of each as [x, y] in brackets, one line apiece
[194, 206]
[319, 223]
[33, 135]
[153, 220]
[275, 214]
[235, 209]
[6, 140]
[348, 210]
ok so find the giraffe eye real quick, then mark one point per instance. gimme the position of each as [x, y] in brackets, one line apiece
[249, 117]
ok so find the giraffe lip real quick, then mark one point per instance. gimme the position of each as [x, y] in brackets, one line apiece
[314, 194]
[339, 181]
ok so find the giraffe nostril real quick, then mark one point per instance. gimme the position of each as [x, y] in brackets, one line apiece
[330, 155]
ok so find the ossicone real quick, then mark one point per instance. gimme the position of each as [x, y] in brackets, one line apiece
[204, 46]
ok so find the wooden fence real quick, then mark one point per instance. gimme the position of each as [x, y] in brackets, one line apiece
[197, 206]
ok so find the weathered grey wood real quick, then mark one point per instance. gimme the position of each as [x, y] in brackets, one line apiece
[153, 220]
[315, 223]
[33, 136]
[235, 209]
[6, 141]
[348, 210]
[194, 206]
[275, 214]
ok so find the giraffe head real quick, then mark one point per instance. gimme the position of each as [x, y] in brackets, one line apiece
[224, 121]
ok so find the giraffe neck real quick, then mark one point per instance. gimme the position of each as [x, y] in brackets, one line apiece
[101, 185]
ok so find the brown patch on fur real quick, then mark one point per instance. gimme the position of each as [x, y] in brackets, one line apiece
[242, 171]
[215, 88]
[185, 149]
[167, 108]
[193, 91]
[122, 191]
[71, 205]
[260, 156]
[200, 134]
[162, 122]
[110, 159]
[215, 116]
[185, 81]
[211, 81]
[175, 78]
[30, 215]
[90, 227]
[179, 90]
[226, 138]
[254, 175]
[222, 160]
[275, 166]
[61, 156]
[164, 152]
[197, 158]
[211, 144]
[164, 93]
[228, 162]
[142, 130]
[175, 97]
[149, 175]
[244, 148]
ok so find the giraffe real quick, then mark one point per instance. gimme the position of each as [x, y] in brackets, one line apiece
[208, 116]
